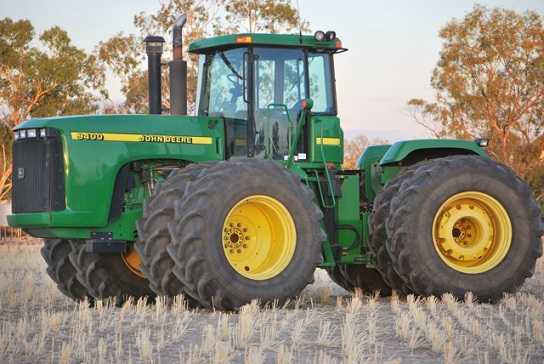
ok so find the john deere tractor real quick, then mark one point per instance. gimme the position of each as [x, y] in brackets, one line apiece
[246, 199]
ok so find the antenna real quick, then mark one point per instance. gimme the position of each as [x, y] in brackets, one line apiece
[299, 22]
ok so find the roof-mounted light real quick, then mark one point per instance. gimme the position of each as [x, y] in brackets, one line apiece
[244, 39]
[319, 36]
[330, 35]
[482, 142]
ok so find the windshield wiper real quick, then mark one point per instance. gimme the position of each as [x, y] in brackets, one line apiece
[230, 66]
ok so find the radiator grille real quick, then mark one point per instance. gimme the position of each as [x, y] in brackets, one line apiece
[38, 174]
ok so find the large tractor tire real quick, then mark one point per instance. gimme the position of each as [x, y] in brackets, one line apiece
[110, 276]
[153, 235]
[247, 229]
[56, 253]
[352, 277]
[378, 237]
[464, 223]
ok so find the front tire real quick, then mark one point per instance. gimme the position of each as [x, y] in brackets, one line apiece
[113, 276]
[56, 253]
[464, 223]
[246, 230]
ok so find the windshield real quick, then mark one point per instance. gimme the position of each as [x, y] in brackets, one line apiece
[259, 90]
[222, 94]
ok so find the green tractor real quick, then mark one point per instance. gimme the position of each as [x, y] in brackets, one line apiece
[246, 199]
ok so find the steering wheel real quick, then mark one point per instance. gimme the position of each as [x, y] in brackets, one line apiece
[234, 79]
[236, 90]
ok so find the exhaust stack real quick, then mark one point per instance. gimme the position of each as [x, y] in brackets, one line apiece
[153, 48]
[178, 71]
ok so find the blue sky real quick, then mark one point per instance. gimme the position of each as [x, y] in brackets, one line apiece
[393, 47]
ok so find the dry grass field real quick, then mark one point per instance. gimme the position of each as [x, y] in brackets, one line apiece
[325, 325]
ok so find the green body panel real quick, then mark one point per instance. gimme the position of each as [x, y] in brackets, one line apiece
[367, 162]
[123, 228]
[401, 150]
[277, 40]
[348, 214]
[91, 167]
[351, 227]
[326, 128]
[380, 163]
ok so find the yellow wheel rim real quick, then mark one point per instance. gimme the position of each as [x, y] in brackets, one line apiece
[472, 232]
[259, 237]
[132, 260]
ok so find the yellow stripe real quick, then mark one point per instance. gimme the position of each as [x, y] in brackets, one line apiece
[140, 138]
[327, 141]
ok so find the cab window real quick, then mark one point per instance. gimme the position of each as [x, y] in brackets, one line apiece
[321, 87]
[223, 95]
[279, 86]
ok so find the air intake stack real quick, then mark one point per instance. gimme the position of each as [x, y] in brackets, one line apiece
[153, 48]
[178, 71]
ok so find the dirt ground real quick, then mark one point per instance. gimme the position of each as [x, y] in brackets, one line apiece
[325, 325]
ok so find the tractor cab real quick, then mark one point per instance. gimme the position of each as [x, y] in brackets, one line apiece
[256, 84]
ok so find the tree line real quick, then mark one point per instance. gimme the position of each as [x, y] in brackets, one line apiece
[488, 82]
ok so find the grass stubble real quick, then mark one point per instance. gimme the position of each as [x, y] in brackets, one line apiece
[324, 325]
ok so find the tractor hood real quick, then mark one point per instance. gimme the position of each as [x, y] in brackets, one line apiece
[144, 136]
[95, 148]
[129, 124]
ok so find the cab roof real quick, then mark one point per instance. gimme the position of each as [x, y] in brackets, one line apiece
[279, 40]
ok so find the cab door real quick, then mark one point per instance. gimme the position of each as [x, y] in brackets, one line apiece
[278, 88]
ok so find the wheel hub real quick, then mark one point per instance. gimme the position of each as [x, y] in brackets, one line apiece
[259, 237]
[235, 238]
[472, 232]
[132, 260]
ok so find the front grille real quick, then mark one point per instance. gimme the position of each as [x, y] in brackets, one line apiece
[38, 174]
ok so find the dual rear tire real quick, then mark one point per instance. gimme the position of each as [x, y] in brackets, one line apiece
[456, 225]
[244, 230]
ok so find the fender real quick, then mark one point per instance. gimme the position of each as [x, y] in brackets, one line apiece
[412, 151]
